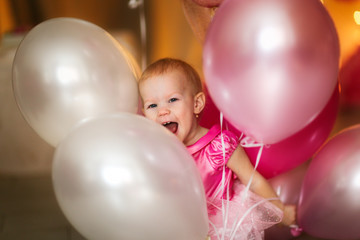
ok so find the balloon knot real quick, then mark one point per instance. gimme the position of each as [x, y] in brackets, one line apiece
[135, 3]
[295, 230]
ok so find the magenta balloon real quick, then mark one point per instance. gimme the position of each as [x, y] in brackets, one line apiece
[349, 76]
[287, 154]
[210, 115]
[329, 205]
[271, 66]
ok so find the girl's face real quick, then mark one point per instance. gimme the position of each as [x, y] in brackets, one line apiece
[168, 100]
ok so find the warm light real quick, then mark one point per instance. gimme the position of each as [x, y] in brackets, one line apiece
[357, 17]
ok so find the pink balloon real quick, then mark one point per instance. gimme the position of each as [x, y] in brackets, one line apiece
[329, 205]
[271, 66]
[287, 186]
[208, 3]
[287, 154]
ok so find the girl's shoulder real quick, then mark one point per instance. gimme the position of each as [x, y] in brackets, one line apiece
[222, 147]
[212, 142]
[225, 140]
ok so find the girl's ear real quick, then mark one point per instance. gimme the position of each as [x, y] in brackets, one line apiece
[199, 102]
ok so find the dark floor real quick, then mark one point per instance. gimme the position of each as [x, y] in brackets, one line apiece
[29, 210]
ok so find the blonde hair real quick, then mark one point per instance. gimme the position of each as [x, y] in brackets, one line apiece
[165, 65]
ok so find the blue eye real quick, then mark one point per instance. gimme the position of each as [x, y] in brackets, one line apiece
[152, 106]
[173, 99]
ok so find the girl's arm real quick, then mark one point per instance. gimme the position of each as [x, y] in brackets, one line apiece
[240, 164]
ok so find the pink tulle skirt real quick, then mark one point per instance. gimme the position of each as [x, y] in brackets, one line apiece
[246, 217]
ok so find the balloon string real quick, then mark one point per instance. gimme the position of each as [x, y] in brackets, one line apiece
[245, 142]
[140, 4]
[225, 209]
[253, 172]
[235, 228]
[216, 231]
[248, 142]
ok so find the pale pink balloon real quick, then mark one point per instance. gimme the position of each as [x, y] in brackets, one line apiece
[329, 204]
[271, 66]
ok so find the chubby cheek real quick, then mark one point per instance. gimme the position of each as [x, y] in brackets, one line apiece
[150, 115]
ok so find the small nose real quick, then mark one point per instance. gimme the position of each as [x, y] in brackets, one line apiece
[163, 111]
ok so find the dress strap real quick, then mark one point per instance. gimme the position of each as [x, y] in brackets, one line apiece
[205, 140]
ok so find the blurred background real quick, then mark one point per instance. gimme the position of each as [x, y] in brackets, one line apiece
[168, 34]
[28, 209]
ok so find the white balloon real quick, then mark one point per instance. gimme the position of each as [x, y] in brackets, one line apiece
[67, 69]
[123, 176]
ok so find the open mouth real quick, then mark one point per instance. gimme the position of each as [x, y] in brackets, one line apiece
[172, 126]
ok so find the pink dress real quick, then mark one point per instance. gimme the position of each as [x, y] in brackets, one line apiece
[238, 213]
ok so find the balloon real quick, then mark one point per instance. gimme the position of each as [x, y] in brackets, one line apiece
[287, 186]
[68, 69]
[208, 3]
[271, 66]
[329, 204]
[350, 81]
[285, 155]
[210, 116]
[123, 176]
